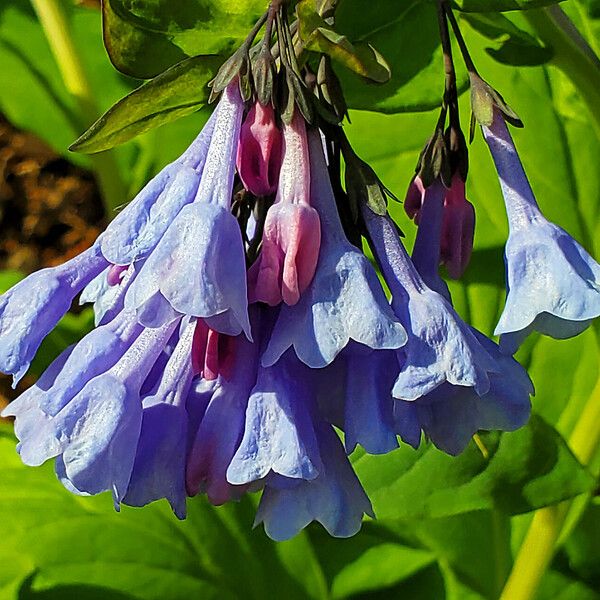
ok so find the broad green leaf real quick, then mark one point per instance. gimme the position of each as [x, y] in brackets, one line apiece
[484, 6]
[525, 470]
[513, 45]
[177, 92]
[378, 558]
[360, 58]
[406, 34]
[145, 38]
[583, 547]
[68, 544]
[32, 94]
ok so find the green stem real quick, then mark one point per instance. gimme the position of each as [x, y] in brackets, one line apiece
[538, 547]
[572, 55]
[54, 21]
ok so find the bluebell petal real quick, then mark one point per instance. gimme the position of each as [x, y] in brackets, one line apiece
[136, 230]
[32, 308]
[426, 250]
[368, 407]
[451, 415]
[441, 347]
[406, 422]
[335, 498]
[344, 301]
[220, 165]
[279, 434]
[160, 460]
[99, 428]
[159, 468]
[97, 352]
[553, 285]
[220, 431]
[33, 427]
[107, 299]
[199, 395]
[197, 269]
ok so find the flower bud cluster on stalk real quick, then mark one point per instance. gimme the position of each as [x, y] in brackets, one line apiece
[240, 326]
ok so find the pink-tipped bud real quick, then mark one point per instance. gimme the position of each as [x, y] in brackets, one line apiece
[259, 151]
[292, 231]
[290, 250]
[458, 229]
[414, 198]
[212, 352]
[115, 274]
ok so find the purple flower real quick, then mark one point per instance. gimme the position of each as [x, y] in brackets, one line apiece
[221, 429]
[99, 428]
[334, 498]
[440, 346]
[33, 307]
[160, 458]
[553, 283]
[450, 415]
[136, 230]
[344, 301]
[279, 435]
[198, 267]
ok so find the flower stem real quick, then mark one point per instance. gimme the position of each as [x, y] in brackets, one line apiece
[572, 55]
[56, 26]
[538, 547]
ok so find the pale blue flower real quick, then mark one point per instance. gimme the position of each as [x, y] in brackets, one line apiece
[553, 283]
[334, 498]
[33, 307]
[198, 267]
[344, 301]
[440, 348]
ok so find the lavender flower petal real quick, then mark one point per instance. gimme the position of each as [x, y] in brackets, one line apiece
[553, 283]
[33, 307]
[279, 434]
[335, 498]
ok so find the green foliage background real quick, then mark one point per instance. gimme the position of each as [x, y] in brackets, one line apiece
[447, 527]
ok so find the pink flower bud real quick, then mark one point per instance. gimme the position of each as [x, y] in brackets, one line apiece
[458, 229]
[259, 151]
[292, 231]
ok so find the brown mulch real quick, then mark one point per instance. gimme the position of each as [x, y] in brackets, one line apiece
[50, 210]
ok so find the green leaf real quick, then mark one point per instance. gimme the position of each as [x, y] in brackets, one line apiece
[145, 38]
[32, 94]
[360, 58]
[527, 469]
[407, 35]
[485, 6]
[514, 46]
[177, 92]
[69, 546]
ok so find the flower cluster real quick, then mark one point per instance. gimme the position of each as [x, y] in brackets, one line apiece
[238, 330]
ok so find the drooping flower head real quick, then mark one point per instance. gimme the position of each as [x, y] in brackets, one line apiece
[184, 275]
